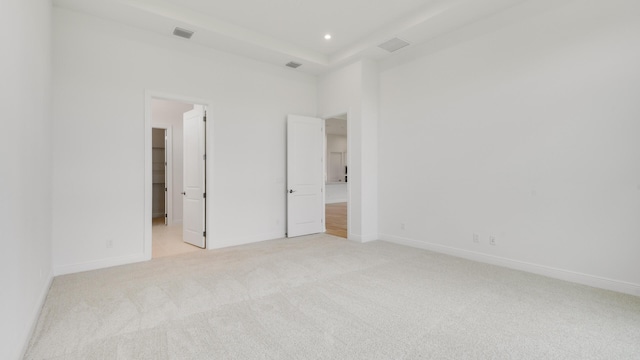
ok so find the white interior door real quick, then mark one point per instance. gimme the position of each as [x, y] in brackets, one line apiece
[305, 163]
[194, 194]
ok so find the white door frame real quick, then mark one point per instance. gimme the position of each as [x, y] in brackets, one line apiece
[349, 161]
[169, 173]
[149, 95]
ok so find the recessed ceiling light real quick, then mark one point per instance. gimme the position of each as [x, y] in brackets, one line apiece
[327, 37]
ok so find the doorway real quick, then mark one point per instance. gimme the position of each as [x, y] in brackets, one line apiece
[337, 175]
[177, 163]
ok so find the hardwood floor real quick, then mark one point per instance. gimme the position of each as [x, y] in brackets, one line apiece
[336, 219]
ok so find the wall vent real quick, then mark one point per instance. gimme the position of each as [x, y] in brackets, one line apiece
[183, 33]
[293, 64]
[394, 44]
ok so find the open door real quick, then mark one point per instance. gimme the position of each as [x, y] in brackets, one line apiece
[305, 183]
[194, 194]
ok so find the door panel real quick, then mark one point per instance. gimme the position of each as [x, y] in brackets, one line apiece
[305, 162]
[193, 205]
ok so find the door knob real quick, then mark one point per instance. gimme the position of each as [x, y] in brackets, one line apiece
[291, 191]
[184, 193]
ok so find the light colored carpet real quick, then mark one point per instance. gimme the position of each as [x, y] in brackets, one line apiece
[322, 297]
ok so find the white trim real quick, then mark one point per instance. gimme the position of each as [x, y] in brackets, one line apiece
[35, 315]
[248, 240]
[169, 175]
[552, 272]
[323, 123]
[98, 264]
[363, 238]
[149, 95]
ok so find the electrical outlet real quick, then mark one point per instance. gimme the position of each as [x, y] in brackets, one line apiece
[492, 240]
[476, 238]
[109, 244]
[403, 226]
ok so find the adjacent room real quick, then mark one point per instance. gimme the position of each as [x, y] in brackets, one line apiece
[336, 190]
[408, 179]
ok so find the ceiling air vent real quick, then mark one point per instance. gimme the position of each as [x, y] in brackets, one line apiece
[293, 64]
[184, 33]
[393, 45]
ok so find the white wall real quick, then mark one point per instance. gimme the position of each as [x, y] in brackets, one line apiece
[530, 134]
[354, 89]
[368, 138]
[336, 193]
[102, 70]
[336, 143]
[25, 178]
[166, 112]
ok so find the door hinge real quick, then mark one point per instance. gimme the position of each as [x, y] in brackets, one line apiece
[165, 215]
[204, 118]
[321, 221]
[204, 195]
[165, 189]
[204, 234]
[204, 157]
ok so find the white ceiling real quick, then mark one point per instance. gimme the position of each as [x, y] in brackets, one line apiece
[304, 23]
[279, 31]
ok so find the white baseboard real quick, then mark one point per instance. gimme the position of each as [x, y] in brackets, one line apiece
[363, 238]
[336, 201]
[98, 264]
[556, 273]
[35, 315]
[217, 244]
